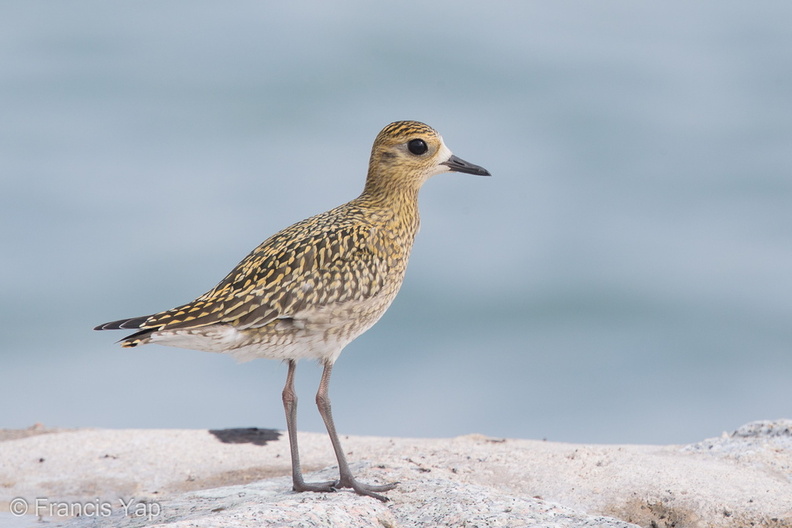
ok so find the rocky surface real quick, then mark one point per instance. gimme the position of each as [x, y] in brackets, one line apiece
[239, 478]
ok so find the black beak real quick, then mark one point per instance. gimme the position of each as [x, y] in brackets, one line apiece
[460, 165]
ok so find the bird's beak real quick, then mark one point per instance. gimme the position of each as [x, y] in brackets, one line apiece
[459, 165]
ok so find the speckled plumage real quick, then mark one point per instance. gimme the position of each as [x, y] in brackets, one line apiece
[310, 289]
[303, 293]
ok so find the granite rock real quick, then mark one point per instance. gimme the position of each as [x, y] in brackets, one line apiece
[198, 478]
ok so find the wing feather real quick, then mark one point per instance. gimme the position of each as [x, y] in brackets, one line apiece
[326, 259]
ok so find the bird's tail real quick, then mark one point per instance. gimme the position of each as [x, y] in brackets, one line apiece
[134, 323]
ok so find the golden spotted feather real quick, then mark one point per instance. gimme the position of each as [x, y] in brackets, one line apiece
[350, 254]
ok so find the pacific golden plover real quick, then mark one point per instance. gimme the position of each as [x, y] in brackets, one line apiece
[311, 289]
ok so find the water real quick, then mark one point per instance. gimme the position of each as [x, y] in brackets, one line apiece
[624, 276]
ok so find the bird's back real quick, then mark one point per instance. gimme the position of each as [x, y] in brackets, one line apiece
[304, 292]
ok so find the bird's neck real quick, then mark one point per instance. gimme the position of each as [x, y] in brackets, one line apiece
[398, 203]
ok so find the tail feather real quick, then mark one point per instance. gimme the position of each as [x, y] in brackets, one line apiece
[124, 324]
[138, 338]
[135, 323]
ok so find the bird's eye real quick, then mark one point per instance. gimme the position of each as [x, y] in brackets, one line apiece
[417, 146]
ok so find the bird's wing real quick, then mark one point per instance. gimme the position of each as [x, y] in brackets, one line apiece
[298, 268]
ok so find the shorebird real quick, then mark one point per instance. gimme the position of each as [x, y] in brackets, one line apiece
[309, 290]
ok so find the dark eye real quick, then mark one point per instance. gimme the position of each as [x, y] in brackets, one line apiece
[417, 146]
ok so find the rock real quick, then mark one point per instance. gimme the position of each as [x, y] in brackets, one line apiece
[135, 478]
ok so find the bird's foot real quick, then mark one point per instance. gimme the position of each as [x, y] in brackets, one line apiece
[319, 487]
[369, 490]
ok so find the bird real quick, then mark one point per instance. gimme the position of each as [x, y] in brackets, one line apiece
[312, 288]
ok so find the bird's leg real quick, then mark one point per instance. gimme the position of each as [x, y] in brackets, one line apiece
[290, 405]
[346, 480]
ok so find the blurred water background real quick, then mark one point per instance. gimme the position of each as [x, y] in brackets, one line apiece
[624, 276]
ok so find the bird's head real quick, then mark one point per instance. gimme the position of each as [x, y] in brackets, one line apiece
[407, 153]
